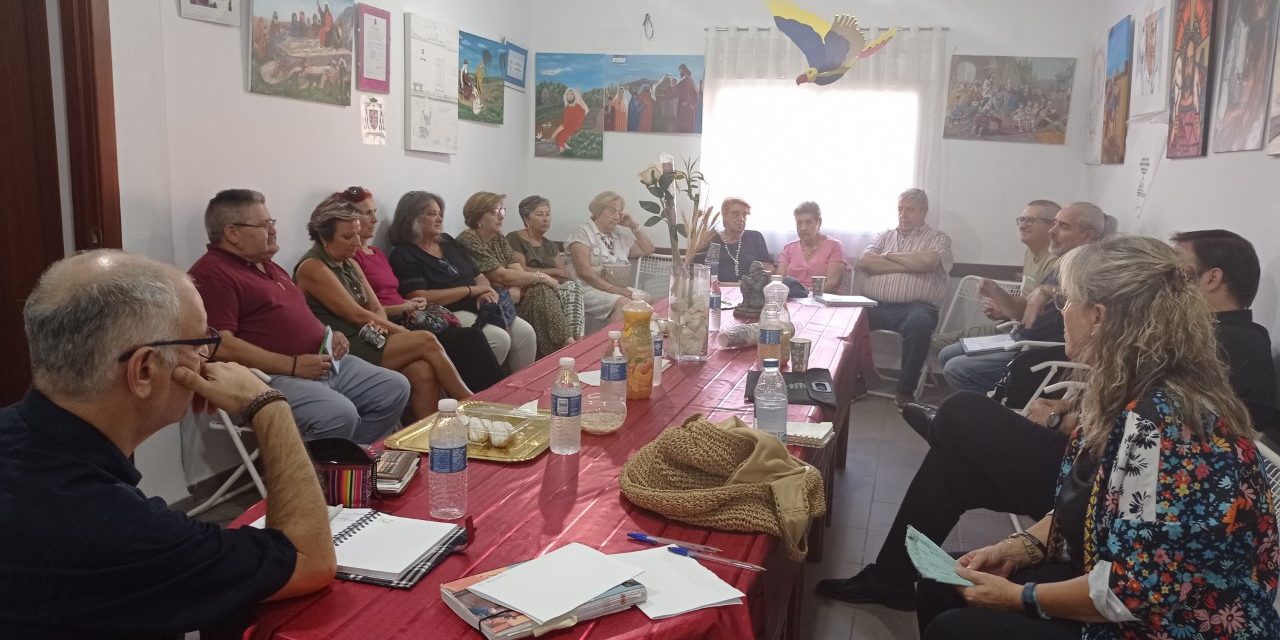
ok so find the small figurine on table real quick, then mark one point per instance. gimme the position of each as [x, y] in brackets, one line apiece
[752, 287]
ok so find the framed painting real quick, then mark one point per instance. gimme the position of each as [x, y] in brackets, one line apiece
[517, 58]
[1189, 83]
[654, 94]
[1244, 81]
[481, 78]
[1097, 100]
[568, 116]
[373, 49]
[220, 11]
[1150, 93]
[1115, 112]
[1009, 99]
[302, 49]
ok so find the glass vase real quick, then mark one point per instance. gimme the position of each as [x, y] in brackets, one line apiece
[688, 313]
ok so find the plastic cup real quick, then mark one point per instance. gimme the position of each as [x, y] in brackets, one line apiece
[819, 285]
[800, 350]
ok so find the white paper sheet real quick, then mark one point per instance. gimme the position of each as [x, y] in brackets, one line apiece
[375, 48]
[677, 584]
[556, 583]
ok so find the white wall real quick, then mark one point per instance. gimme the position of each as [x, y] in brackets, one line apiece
[187, 127]
[985, 183]
[1235, 191]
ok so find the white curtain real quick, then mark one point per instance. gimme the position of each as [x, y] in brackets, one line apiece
[852, 146]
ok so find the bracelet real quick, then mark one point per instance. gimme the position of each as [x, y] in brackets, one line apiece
[258, 402]
[1030, 604]
[468, 291]
[1035, 550]
[294, 369]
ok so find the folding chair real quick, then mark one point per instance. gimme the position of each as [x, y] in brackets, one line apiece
[1270, 462]
[223, 422]
[653, 275]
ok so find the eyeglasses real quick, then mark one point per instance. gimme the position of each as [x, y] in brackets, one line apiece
[500, 211]
[269, 223]
[1060, 300]
[1021, 220]
[211, 340]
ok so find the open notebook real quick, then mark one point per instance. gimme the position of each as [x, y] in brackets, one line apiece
[382, 549]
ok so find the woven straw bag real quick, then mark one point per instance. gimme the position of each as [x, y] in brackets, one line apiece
[727, 476]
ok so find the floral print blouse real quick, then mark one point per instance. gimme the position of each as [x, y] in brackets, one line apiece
[1180, 534]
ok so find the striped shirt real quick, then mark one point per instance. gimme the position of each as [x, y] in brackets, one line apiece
[927, 286]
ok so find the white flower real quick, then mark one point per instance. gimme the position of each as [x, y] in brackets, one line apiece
[650, 175]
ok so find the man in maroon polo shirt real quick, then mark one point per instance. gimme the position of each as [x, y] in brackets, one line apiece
[265, 324]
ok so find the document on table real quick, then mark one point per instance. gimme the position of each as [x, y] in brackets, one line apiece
[593, 377]
[931, 561]
[553, 585]
[677, 584]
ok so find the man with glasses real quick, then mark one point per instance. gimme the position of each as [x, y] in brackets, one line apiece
[119, 350]
[265, 324]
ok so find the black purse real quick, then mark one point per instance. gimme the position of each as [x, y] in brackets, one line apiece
[499, 314]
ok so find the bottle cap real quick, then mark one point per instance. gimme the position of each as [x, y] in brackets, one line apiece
[615, 335]
[770, 362]
[639, 295]
[448, 404]
[777, 278]
[566, 362]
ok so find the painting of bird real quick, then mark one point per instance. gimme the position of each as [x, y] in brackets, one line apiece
[831, 49]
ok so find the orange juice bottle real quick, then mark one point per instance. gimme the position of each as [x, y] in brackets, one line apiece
[637, 345]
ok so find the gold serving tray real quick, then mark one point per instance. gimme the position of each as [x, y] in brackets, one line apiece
[532, 438]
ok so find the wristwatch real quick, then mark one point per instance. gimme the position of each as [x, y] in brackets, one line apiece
[1053, 421]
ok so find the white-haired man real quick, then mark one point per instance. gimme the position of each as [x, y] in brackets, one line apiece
[119, 349]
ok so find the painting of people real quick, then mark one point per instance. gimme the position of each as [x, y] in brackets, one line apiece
[1151, 62]
[1189, 82]
[1248, 49]
[481, 88]
[1009, 99]
[569, 99]
[1115, 114]
[654, 94]
[302, 49]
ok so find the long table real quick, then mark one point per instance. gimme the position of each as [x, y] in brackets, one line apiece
[524, 510]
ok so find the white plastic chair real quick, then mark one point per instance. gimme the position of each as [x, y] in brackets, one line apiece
[965, 309]
[653, 275]
[1054, 367]
[223, 422]
[1270, 462]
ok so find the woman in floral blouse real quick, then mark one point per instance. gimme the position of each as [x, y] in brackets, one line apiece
[1164, 526]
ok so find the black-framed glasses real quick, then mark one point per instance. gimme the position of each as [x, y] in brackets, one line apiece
[211, 340]
[1060, 300]
[1031, 220]
[269, 223]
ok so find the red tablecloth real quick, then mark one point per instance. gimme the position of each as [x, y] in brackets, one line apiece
[524, 510]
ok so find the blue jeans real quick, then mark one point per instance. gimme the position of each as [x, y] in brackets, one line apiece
[362, 402]
[976, 373]
[916, 322]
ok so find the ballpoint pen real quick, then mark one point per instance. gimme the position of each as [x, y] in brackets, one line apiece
[688, 553]
[640, 536]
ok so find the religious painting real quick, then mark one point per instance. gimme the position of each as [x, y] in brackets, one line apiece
[1009, 99]
[220, 11]
[431, 92]
[569, 93]
[302, 49]
[1244, 81]
[1151, 62]
[654, 94]
[1273, 126]
[1097, 99]
[1189, 83]
[1115, 113]
[482, 86]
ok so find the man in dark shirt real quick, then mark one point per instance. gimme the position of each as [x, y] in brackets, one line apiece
[119, 348]
[984, 456]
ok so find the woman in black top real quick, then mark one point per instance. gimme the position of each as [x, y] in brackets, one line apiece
[739, 247]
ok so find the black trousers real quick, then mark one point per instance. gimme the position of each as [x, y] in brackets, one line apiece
[916, 322]
[942, 614]
[981, 456]
[469, 350]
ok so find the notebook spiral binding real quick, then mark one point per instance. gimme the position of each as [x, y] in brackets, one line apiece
[355, 527]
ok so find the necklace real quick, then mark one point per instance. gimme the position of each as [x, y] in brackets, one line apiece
[809, 251]
[608, 242]
[737, 251]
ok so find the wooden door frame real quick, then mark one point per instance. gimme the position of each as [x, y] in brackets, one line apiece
[91, 123]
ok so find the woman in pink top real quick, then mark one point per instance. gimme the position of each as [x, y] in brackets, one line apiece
[814, 254]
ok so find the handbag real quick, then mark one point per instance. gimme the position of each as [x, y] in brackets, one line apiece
[499, 314]
[345, 470]
[433, 318]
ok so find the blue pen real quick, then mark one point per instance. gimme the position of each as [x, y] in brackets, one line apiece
[640, 536]
[681, 551]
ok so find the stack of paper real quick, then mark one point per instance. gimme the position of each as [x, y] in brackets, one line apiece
[555, 584]
[677, 584]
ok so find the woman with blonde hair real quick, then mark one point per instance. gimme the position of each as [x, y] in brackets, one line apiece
[1163, 525]
[340, 296]
[599, 244]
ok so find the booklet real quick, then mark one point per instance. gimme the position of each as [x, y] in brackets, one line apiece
[986, 344]
[931, 561]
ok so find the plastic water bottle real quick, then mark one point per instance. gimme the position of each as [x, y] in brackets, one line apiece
[566, 410]
[655, 329]
[771, 400]
[771, 328]
[448, 463]
[605, 410]
[713, 264]
[777, 291]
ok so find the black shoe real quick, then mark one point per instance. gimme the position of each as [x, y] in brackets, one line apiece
[920, 417]
[867, 588]
[902, 399]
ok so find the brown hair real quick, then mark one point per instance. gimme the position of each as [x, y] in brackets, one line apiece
[325, 217]
[480, 203]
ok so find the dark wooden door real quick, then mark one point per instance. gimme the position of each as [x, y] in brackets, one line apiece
[31, 238]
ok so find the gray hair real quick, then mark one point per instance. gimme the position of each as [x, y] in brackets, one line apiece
[1110, 226]
[89, 308]
[918, 195]
[604, 199]
[1094, 218]
[1048, 206]
[228, 207]
[406, 225]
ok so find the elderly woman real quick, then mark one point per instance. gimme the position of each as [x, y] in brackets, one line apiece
[599, 244]
[814, 254]
[738, 246]
[535, 252]
[536, 294]
[340, 296]
[466, 346]
[1163, 525]
[432, 265]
